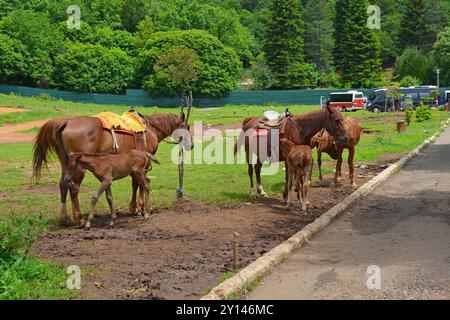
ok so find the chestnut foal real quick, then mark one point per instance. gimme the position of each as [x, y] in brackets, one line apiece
[111, 167]
[299, 168]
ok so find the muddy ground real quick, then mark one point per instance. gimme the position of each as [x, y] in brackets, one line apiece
[183, 251]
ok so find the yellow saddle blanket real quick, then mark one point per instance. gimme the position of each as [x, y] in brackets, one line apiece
[127, 121]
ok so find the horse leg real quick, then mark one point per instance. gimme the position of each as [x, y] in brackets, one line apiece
[319, 162]
[144, 188]
[133, 204]
[74, 190]
[286, 177]
[289, 189]
[351, 165]
[337, 173]
[109, 198]
[259, 187]
[305, 186]
[106, 183]
[250, 174]
[63, 189]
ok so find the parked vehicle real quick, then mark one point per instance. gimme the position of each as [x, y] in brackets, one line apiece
[348, 101]
[412, 95]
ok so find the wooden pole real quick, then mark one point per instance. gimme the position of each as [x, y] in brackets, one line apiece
[236, 257]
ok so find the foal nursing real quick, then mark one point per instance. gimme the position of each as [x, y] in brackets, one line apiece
[112, 167]
[299, 164]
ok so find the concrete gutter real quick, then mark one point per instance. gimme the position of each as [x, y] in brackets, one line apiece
[277, 255]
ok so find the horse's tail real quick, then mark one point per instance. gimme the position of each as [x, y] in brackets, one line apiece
[47, 141]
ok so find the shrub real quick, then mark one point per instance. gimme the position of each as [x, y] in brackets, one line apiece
[218, 65]
[423, 113]
[408, 81]
[21, 276]
[12, 59]
[408, 116]
[412, 62]
[94, 68]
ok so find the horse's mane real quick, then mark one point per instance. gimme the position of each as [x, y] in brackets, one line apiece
[162, 121]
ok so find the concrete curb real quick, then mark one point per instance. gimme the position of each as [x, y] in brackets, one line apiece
[277, 255]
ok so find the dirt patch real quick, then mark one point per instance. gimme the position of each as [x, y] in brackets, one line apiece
[6, 110]
[11, 134]
[182, 251]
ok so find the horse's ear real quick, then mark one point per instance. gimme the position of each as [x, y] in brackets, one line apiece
[182, 117]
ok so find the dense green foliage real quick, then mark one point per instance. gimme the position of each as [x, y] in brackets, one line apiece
[284, 47]
[217, 68]
[359, 47]
[280, 44]
[94, 68]
[414, 63]
[441, 54]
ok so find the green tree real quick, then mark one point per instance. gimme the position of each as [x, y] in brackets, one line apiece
[434, 20]
[133, 12]
[441, 54]
[34, 30]
[94, 68]
[222, 22]
[359, 47]
[107, 12]
[412, 16]
[42, 40]
[319, 42]
[180, 66]
[12, 60]
[408, 81]
[412, 62]
[284, 46]
[144, 31]
[218, 65]
[339, 32]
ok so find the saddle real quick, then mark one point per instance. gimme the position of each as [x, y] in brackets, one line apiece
[131, 123]
[272, 120]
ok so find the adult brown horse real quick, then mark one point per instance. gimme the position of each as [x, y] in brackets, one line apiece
[326, 143]
[298, 129]
[86, 135]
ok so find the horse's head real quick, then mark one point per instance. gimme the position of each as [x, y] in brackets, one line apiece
[183, 132]
[72, 166]
[334, 124]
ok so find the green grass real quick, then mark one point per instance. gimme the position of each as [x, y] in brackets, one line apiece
[21, 275]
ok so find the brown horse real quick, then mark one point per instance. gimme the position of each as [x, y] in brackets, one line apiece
[299, 163]
[298, 129]
[111, 167]
[86, 135]
[326, 143]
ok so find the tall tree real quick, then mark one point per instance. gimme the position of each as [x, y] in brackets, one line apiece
[434, 20]
[441, 53]
[413, 13]
[341, 11]
[319, 42]
[284, 45]
[359, 48]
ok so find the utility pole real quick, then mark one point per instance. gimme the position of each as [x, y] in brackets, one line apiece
[438, 72]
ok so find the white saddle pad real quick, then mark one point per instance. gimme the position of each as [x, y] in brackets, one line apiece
[271, 115]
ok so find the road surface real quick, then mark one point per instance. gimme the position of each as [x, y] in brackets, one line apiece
[400, 232]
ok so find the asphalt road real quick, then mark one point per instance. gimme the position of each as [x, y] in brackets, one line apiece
[400, 232]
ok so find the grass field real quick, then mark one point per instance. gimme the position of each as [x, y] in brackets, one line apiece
[213, 183]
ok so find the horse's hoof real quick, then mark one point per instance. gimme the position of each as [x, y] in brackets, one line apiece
[87, 226]
[264, 195]
[112, 224]
[146, 216]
